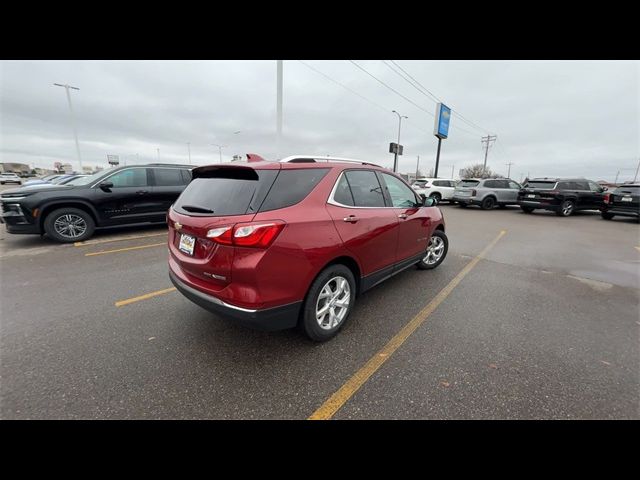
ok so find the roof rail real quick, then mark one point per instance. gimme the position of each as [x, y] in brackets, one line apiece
[313, 159]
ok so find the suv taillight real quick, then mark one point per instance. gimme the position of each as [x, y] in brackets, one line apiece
[259, 234]
[607, 197]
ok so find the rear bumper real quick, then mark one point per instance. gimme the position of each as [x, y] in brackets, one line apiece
[270, 319]
[466, 200]
[622, 212]
[540, 205]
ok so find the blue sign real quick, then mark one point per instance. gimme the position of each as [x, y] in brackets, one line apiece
[443, 116]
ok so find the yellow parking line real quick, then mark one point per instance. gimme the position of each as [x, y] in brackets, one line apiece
[122, 239]
[124, 249]
[339, 398]
[144, 297]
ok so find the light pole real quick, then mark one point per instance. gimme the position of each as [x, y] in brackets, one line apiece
[278, 107]
[220, 147]
[189, 150]
[158, 154]
[417, 166]
[73, 119]
[395, 155]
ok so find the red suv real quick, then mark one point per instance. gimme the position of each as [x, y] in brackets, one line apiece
[279, 244]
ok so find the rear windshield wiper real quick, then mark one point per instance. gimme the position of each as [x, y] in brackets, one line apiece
[196, 209]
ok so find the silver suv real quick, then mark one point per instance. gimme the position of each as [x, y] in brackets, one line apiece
[487, 192]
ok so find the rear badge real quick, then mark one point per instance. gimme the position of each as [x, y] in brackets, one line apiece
[177, 226]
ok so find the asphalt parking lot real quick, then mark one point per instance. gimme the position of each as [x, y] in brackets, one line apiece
[544, 325]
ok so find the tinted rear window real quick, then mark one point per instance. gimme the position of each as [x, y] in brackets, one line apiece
[228, 191]
[634, 190]
[540, 185]
[292, 186]
[468, 183]
[166, 177]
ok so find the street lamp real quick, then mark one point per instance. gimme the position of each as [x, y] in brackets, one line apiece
[395, 156]
[220, 147]
[189, 150]
[73, 120]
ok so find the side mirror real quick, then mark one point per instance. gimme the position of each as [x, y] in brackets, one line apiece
[106, 186]
[604, 189]
[428, 201]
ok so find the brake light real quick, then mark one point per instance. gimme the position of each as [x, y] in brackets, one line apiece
[259, 235]
[607, 196]
[221, 235]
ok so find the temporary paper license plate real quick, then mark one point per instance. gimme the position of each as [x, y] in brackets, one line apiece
[626, 199]
[187, 242]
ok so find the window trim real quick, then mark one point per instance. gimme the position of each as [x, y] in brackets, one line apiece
[378, 175]
[388, 197]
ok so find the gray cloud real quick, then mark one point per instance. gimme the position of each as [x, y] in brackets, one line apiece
[551, 117]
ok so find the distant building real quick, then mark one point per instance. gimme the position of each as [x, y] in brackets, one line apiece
[14, 167]
[604, 183]
[87, 170]
[66, 168]
[237, 158]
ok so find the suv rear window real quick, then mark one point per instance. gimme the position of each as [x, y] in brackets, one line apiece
[541, 185]
[468, 183]
[633, 189]
[292, 186]
[226, 191]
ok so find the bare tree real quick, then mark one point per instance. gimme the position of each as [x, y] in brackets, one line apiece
[476, 171]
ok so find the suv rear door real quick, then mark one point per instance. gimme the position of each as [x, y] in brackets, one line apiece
[596, 197]
[368, 229]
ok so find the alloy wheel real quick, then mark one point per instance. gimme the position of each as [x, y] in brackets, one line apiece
[70, 226]
[333, 303]
[435, 249]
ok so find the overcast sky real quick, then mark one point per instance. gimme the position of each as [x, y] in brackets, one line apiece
[565, 118]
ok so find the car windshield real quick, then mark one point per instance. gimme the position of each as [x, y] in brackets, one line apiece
[468, 183]
[57, 180]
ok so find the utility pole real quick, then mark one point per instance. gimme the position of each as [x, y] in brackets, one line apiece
[452, 169]
[616, 180]
[220, 147]
[279, 110]
[189, 150]
[636, 175]
[395, 155]
[158, 154]
[417, 166]
[509, 171]
[73, 120]
[488, 139]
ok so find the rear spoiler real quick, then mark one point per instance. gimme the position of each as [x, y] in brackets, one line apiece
[234, 169]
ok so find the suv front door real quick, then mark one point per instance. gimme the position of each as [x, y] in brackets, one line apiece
[128, 201]
[414, 221]
[368, 229]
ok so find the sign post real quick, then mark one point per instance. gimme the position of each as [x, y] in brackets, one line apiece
[441, 128]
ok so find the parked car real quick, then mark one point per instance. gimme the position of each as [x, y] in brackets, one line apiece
[279, 244]
[436, 188]
[45, 179]
[487, 192]
[60, 180]
[9, 177]
[624, 201]
[121, 196]
[561, 195]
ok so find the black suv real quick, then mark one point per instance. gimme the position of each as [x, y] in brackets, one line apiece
[128, 195]
[623, 201]
[561, 195]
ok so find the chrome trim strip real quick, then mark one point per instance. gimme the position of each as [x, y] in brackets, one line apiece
[332, 201]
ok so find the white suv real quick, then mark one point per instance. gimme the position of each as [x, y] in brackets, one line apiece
[436, 188]
[9, 178]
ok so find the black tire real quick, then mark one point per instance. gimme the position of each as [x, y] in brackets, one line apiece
[1, 183]
[566, 208]
[488, 203]
[77, 217]
[422, 264]
[606, 215]
[309, 322]
[437, 197]
[462, 205]
[527, 209]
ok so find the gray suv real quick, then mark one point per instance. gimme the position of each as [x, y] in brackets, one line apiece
[487, 192]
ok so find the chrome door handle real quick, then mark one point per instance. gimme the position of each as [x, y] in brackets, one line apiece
[403, 215]
[350, 219]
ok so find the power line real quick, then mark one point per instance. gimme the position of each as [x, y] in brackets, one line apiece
[392, 89]
[434, 99]
[387, 110]
[455, 112]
